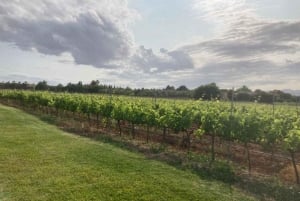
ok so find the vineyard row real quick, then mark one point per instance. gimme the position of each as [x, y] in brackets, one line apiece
[253, 123]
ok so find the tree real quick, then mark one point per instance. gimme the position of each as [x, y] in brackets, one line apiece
[182, 88]
[281, 96]
[59, 88]
[262, 96]
[207, 92]
[42, 86]
[244, 89]
[94, 86]
[94, 83]
[244, 94]
[170, 87]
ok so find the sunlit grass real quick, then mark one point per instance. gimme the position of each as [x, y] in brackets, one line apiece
[40, 162]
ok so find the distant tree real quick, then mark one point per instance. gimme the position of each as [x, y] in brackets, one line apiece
[93, 83]
[71, 87]
[244, 89]
[182, 88]
[170, 87]
[26, 85]
[94, 86]
[281, 96]
[207, 92]
[79, 87]
[262, 96]
[59, 88]
[41, 86]
[244, 94]
[226, 94]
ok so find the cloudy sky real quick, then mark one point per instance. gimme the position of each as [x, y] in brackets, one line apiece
[152, 43]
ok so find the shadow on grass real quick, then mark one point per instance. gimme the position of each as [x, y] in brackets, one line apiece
[198, 164]
[266, 189]
[48, 119]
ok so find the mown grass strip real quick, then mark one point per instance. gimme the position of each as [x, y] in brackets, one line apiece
[40, 162]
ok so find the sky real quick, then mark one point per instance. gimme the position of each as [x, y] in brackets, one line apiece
[152, 43]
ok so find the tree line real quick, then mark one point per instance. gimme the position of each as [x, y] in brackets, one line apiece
[204, 92]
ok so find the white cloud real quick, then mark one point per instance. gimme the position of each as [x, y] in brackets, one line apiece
[93, 32]
[165, 60]
[222, 12]
[249, 50]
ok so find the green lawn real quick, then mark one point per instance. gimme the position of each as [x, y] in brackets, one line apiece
[40, 162]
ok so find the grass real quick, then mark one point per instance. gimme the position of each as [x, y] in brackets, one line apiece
[40, 162]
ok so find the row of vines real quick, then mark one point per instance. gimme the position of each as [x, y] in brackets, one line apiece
[253, 123]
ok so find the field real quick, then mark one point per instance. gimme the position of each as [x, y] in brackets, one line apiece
[217, 141]
[40, 162]
[272, 129]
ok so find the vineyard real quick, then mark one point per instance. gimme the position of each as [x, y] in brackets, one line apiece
[272, 129]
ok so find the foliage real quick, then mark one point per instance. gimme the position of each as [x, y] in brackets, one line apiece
[207, 92]
[250, 123]
[40, 162]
